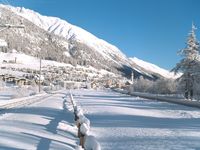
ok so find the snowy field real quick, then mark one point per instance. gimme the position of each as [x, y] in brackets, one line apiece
[43, 125]
[119, 122]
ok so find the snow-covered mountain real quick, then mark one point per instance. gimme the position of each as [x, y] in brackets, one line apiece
[63, 28]
[151, 68]
[58, 40]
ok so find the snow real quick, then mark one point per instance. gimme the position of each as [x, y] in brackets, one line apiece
[91, 143]
[79, 148]
[63, 28]
[117, 122]
[167, 98]
[39, 78]
[84, 129]
[102, 71]
[123, 122]
[10, 94]
[153, 68]
[5, 95]
[67, 54]
[26, 61]
[83, 120]
[3, 43]
[79, 112]
[33, 63]
[44, 125]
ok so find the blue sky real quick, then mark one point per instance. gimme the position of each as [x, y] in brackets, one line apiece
[152, 30]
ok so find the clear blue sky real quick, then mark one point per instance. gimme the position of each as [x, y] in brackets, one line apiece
[152, 30]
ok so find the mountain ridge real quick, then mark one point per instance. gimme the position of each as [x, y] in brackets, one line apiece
[82, 45]
[153, 68]
[63, 28]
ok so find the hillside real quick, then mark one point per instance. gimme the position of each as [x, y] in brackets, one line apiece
[54, 39]
[152, 68]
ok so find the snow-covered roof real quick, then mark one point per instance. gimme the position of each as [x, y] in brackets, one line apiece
[3, 43]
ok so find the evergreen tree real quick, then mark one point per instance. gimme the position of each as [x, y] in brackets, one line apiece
[189, 64]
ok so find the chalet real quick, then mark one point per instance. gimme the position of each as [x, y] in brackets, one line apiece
[2, 77]
[128, 83]
[9, 79]
[109, 83]
[15, 80]
[93, 85]
[118, 85]
[21, 81]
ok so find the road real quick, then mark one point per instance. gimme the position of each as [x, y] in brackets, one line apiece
[46, 124]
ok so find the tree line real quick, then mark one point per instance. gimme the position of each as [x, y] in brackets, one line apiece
[188, 84]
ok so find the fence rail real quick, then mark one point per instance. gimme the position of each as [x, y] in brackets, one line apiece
[87, 142]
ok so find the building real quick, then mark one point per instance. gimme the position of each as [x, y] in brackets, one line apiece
[3, 46]
[15, 80]
[21, 81]
[2, 77]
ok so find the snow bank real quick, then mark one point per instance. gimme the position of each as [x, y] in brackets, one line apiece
[83, 120]
[91, 143]
[79, 148]
[84, 129]
[175, 100]
[78, 111]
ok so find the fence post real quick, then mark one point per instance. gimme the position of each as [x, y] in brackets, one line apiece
[82, 140]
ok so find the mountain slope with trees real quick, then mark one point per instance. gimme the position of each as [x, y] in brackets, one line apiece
[54, 39]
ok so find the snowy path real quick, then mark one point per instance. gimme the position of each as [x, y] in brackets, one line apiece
[43, 125]
[122, 122]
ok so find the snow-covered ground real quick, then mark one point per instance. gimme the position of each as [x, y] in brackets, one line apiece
[10, 93]
[26, 61]
[30, 62]
[122, 122]
[119, 122]
[47, 124]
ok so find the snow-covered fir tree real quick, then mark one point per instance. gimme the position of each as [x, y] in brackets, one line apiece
[189, 64]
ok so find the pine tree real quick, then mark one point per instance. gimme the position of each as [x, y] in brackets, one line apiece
[189, 64]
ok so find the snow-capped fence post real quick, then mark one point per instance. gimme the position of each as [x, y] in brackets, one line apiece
[91, 143]
[75, 109]
[83, 124]
[77, 112]
[82, 140]
[72, 101]
[84, 129]
[79, 132]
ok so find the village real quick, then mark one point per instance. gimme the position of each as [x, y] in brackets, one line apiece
[64, 77]
[67, 77]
